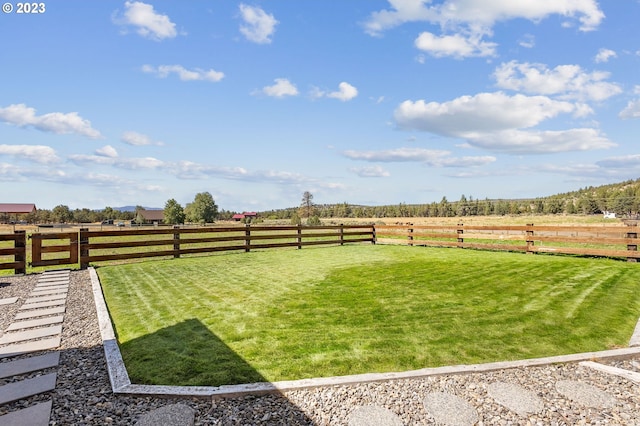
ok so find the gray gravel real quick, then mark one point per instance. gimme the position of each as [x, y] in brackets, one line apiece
[83, 394]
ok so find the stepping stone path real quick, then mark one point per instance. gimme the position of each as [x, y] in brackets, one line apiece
[37, 327]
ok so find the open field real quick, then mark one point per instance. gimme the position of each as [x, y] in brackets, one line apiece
[291, 314]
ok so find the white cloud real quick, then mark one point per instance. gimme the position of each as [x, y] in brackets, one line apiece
[604, 55]
[55, 122]
[565, 81]
[632, 160]
[149, 24]
[119, 162]
[481, 13]
[457, 45]
[37, 153]
[495, 121]
[138, 139]
[528, 41]
[437, 158]
[107, 151]
[259, 25]
[375, 171]
[484, 112]
[280, 89]
[345, 92]
[184, 74]
[515, 141]
[632, 110]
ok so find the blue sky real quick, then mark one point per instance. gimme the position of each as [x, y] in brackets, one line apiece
[111, 103]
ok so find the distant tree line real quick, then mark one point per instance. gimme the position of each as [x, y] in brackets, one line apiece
[621, 198]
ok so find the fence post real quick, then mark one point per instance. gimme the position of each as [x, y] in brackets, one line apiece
[530, 242]
[20, 247]
[410, 234]
[632, 247]
[299, 236]
[247, 238]
[176, 242]
[460, 231]
[373, 234]
[84, 248]
[342, 234]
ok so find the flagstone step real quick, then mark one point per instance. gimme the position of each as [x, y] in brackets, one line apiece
[36, 415]
[45, 304]
[35, 346]
[30, 334]
[27, 365]
[40, 312]
[39, 322]
[28, 387]
[8, 301]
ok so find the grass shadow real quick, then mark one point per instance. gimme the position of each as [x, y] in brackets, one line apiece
[184, 354]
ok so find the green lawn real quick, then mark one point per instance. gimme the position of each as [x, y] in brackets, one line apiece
[292, 314]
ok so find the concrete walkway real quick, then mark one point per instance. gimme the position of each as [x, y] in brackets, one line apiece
[30, 341]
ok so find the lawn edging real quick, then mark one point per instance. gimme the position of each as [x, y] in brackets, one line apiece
[121, 384]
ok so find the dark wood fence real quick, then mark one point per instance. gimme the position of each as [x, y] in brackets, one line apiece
[85, 247]
[13, 252]
[98, 246]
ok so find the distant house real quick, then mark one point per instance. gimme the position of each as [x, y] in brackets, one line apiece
[152, 216]
[11, 211]
[245, 215]
[609, 215]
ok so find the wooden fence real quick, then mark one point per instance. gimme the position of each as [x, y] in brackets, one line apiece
[85, 247]
[13, 252]
[609, 241]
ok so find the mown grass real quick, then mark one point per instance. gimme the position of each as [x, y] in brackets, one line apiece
[292, 314]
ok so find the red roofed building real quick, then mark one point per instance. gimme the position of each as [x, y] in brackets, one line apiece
[242, 216]
[8, 210]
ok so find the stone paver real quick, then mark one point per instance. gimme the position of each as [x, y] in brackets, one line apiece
[585, 394]
[449, 409]
[45, 298]
[8, 300]
[61, 290]
[45, 304]
[28, 387]
[30, 334]
[27, 365]
[515, 398]
[40, 313]
[52, 284]
[39, 322]
[36, 415]
[170, 415]
[373, 415]
[35, 346]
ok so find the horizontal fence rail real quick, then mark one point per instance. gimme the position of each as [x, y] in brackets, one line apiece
[87, 246]
[98, 246]
[611, 241]
[13, 251]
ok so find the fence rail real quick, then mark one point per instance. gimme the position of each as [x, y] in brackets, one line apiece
[87, 246]
[609, 241]
[13, 251]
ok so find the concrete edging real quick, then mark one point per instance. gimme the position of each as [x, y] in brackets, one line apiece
[121, 384]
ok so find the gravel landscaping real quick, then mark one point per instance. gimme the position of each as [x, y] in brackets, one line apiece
[561, 394]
